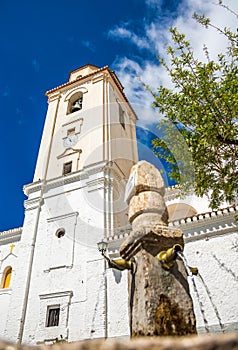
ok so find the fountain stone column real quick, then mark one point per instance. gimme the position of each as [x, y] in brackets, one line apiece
[159, 299]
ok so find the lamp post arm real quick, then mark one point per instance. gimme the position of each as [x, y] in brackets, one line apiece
[106, 257]
[119, 264]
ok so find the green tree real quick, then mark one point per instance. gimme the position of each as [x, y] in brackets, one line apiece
[202, 108]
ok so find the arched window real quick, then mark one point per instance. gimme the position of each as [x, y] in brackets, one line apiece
[75, 103]
[6, 278]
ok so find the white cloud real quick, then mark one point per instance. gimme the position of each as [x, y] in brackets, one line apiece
[199, 35]
[119, 32]
[156, 38]
[123, 33]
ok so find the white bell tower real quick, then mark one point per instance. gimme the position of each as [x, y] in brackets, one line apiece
[76, 198]
[89, 120]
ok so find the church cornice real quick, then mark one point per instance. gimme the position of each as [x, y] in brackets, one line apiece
[220, 214]
[83, 174]
[62, 87]
[31, 204]
[32, 187]
[11, 235]
[171, 192]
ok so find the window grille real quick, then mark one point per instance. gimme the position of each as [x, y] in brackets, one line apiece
[53, 316]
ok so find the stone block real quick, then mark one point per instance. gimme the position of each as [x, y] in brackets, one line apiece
[147, 202]
[144, 177]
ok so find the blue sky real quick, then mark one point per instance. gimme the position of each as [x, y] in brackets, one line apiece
[43, 40]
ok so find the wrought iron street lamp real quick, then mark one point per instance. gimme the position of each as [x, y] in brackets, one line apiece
[102, 247]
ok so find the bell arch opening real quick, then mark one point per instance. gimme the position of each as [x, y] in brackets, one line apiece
[75, 103]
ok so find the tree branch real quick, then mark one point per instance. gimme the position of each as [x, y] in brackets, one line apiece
[227, 141]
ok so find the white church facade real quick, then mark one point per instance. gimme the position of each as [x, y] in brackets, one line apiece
[54, 284]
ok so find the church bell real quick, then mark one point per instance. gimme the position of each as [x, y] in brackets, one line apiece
[77, 105]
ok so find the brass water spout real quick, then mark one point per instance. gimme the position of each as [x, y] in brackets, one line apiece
[167, 257]
[194, 270]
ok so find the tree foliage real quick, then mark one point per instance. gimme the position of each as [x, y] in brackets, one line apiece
[202, 107]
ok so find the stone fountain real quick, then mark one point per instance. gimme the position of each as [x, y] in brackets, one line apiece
[159, 298]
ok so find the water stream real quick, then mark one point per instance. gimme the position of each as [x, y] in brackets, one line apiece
[212, 303]
[190, 274]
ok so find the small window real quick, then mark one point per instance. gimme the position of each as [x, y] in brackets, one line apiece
[67, 168]
[6, 279]
[52, 318]
[121, 117]
[60, 232]
[71, 131]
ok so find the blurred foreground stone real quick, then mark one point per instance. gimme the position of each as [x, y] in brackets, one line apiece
[227, 341]
[160, 303]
